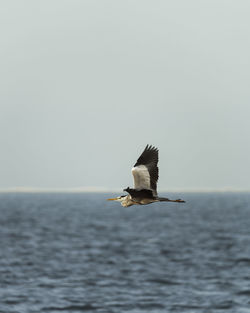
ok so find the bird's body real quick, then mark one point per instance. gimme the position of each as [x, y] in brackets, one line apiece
[146, 174]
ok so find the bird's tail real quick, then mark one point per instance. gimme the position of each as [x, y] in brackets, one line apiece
[169, 200]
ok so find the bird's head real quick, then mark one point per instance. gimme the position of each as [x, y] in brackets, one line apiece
[119, 199]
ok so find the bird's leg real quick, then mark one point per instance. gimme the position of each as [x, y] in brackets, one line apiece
[177, 200]
[169, 200]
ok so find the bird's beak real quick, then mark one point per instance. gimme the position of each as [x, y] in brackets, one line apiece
[112, 199]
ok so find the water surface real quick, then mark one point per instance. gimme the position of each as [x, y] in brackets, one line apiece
[80, 253]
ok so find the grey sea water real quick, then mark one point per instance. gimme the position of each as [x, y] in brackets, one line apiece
[80, 253]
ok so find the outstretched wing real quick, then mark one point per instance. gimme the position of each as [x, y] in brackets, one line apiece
[145, 170]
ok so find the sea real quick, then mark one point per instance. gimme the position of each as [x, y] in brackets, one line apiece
[77, 252]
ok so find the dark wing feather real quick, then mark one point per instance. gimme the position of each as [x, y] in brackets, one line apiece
[149, 158]
[140, 194]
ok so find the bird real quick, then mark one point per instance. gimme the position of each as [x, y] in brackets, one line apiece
[145, 173]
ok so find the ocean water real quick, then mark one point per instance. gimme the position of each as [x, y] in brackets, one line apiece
[81, 253]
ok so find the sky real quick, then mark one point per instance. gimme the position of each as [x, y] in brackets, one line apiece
[86, 84]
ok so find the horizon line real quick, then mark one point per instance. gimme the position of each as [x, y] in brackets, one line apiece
[91, 189]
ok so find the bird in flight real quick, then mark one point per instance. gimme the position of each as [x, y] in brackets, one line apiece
[146, 174]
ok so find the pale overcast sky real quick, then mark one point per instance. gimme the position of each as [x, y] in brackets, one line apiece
[85, 85]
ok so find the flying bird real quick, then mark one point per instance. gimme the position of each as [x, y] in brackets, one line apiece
[146, 174]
